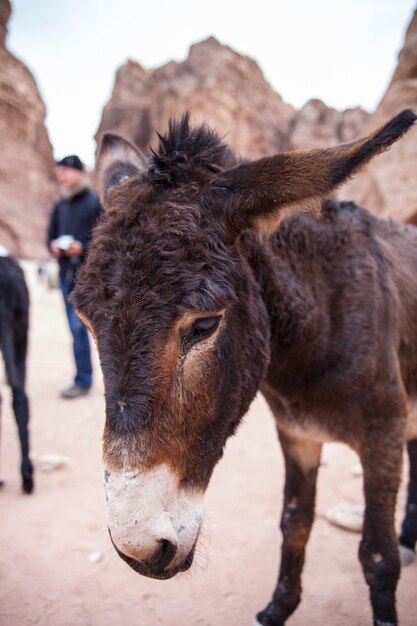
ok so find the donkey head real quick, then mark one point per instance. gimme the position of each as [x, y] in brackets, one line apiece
[178, 318]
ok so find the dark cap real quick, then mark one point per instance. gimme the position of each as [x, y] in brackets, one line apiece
[71, 161]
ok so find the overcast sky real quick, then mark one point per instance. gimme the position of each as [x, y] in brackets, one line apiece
[341, 51]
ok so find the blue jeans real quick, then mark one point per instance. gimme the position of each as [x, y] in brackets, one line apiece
[84, 375]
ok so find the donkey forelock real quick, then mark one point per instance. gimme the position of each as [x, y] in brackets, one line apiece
[188, 154]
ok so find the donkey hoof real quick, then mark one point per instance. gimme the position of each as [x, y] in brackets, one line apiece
[27, 484]
[256, 623]
[407, 556]
[269, 617]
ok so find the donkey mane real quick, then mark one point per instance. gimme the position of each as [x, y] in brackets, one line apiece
[186, 155]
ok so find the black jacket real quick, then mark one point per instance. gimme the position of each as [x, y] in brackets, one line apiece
[74, 216]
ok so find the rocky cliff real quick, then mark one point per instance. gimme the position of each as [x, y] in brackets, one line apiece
[389, 185]
[27, 186]
[230, 92]
[216, 84]
[317, 126]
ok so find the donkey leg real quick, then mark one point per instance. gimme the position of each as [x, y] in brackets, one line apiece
[408, 536]
[21, 411]
[378, 550]
[20, 399]
[14, 345]
[302, 459]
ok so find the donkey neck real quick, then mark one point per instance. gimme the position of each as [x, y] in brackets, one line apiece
[288, 293]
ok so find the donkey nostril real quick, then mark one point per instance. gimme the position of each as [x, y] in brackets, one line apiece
[163, 555]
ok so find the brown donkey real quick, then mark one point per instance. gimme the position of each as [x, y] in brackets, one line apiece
[194, 308]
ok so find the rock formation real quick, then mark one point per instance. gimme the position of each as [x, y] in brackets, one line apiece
[230, 92]
[216, 84]
[27, 186]
[389, 185]
[317, 126]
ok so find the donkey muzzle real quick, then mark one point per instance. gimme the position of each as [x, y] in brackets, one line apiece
[153, 522]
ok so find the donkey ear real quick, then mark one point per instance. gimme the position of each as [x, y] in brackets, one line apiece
[262, 193]
[117, 160]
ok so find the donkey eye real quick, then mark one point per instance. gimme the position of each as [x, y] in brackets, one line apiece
[202, 328]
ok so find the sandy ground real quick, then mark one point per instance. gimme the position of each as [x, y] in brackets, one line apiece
[46, 577]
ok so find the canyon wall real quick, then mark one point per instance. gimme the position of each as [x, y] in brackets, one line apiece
[27, 185]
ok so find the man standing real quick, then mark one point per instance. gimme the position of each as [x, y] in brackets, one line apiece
[69, 234]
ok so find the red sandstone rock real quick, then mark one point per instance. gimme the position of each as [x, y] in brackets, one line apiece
[229, 91]
[216, 84]
[27, 186]
[389, 185]
[317, 126]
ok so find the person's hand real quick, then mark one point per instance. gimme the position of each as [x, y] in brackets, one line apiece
[74, 249]
[55, 248]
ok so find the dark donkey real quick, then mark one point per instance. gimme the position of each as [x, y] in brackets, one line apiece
[192, 311]
[14, 322]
